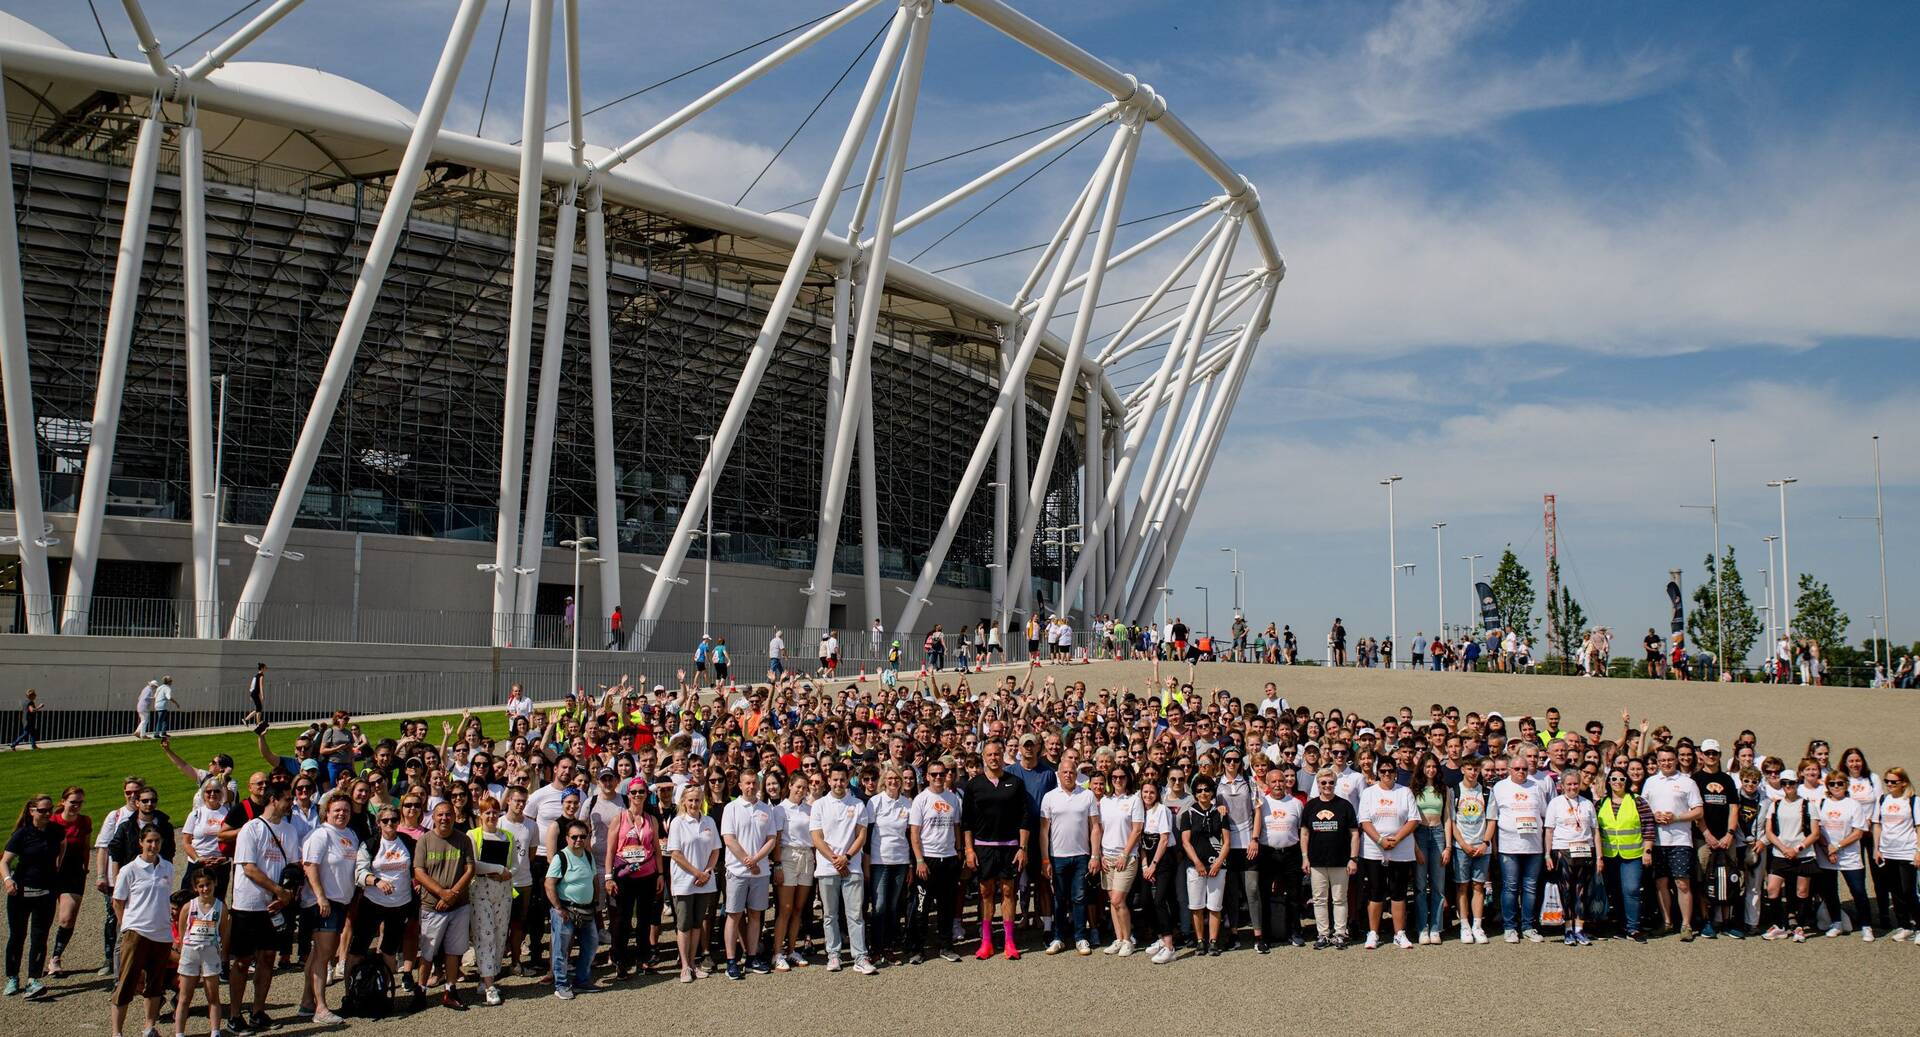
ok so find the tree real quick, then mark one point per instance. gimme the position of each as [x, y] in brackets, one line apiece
[1513, 592]
[1564, 615]
[1815, 616]
[1743, 627]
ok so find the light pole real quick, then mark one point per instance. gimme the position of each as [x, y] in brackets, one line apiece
[1235, 552]
[706, 594]
[1774, 628]
[579, 544]
[1879, 518]
[1875, 627]
[1408, 567]
[1166, 598]
[1767, 575]
[504, 621]
[1393, 581]
[1059, 540]
[1786, 567]
[1206, 608]
[1719, 607]
[1473, 593]
[1440, 573]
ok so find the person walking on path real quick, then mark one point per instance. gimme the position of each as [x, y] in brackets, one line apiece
[29, 722]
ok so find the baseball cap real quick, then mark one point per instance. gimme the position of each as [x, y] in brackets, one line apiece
[1029, 739]
[608, 772]
[1711, 745]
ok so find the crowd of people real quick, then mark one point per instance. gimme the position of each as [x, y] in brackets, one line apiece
[755, 830]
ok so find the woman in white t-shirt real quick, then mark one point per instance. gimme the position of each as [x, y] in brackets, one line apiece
[202, 828]
[1894, 849]
[1843, 825]
[328, 856]
[1792, 833]
[890, 860]
[1864, 787]
[693, 845]
[793, 877]
[384, 873]
[1160, 869]
[1572, 854]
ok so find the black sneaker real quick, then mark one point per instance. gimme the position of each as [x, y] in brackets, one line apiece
[916, 958]
[1260, 947]
[1216, 951]
[1320, 944]
[418, 1003]
[948, 955]
[1339, 943]
[238, 1023]
[258, 1022]
[1297, 940]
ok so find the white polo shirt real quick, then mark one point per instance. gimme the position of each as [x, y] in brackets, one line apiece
[750, 824]
[1069, 815]
[1676, 795]
[145, 887]
[1118, 815]
[838, 821]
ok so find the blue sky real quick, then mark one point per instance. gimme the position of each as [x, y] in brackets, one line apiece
[1533, 248]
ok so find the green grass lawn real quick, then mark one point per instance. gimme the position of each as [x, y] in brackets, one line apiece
[100, 768]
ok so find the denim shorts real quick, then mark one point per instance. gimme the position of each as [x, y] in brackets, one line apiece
[1471, 869]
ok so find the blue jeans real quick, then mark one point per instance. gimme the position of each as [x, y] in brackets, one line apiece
[160, 723]
[1069, 899]
[840, 897]
[1623, 878]
[1430, 879]
[889, 885]
[1519, 891]
[566, 936]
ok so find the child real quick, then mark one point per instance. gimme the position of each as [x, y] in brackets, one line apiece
[200, 939]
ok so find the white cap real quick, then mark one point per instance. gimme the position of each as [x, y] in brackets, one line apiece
[1710, 746]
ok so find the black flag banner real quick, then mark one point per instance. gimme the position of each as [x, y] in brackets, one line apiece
[1489, 608]
[1679, 610]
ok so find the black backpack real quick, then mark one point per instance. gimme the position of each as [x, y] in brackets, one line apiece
[369, 990]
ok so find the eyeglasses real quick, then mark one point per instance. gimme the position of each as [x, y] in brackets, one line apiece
[576, 837]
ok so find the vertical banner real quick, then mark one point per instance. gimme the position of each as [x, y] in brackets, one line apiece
[1550, 523]
[1679, 609]
[1489, 608]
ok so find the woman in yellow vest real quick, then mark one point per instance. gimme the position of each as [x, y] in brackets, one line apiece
[492, 894]
[1626, 838]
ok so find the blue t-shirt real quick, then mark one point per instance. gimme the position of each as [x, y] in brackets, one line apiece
[1039, 782]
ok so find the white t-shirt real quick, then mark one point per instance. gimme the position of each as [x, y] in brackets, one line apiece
[203, 825]
[1895, 817]
[694, 838]
[1069, 816]
[543, 805]
[1519, 811]
[838, 821]
[937, 815]
[145, 887]
[1838, 818]
[1118, 815]
[794, 824]
[1159, 821]
[1678, 795]
[1347, 785]
[333, 850]
[750, 824]
[1572, 821]
[391, 861]
[522, 849]
[888, 841]
[265, 847]
[1389, 810]
[1280, 821]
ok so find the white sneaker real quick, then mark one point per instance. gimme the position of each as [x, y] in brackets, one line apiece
[1513, 937]
[1112, 948]
[796, 959]
[1400, 940]
[1082, 948]
[1466, 933]
[1833, 931]
[1126, 949]
[780, 963]
[1373, 940]
[1164, 955]
[1056, 947]
[1533, 936]
[1866, 934]
[833, 963]
[1774, 933]
[1479, 933]
[1900, 935]
[864, 967]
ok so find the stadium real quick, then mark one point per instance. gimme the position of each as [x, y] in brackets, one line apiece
[288, 361]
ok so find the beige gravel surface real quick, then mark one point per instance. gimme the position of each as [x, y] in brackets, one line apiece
[1837, 985]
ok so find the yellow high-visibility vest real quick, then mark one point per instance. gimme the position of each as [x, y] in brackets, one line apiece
[1620, 829]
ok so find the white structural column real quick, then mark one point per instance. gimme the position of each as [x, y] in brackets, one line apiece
[836, 370]
[16, 380]
[1187, 341]
[606, 500]
[1120, 155]
[1002, 488]
[1235, 380]
[122, 311]
[856, 403]
[869, 507]
[353, 322]
[526, 269]
[777, 312]
[1019, 594]
[1093, 494]
[1156, 505]
[533, 540]
[1012, 394]
[203, 481]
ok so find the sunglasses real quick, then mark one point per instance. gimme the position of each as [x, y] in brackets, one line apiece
[1772, 770]
[40, 810]
[389, 820]
[410, 804]
[147, 801]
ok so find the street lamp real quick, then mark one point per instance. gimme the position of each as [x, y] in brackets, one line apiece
[1393, 582]
[706, 596]
[1719, 606]
[1767, 575]
[1473, 592]
[1206, 608]
[1786, 567]
[1774, 629]
[1440, 574]
[579, 544]
[45, 539]
[1235, 552]
[1879, 519]
[1409, 567]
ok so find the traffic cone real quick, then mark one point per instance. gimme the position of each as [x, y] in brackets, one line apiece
[863, 673]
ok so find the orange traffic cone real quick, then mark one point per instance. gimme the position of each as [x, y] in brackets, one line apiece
[863, 673]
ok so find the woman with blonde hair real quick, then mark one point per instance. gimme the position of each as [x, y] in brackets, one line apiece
[693, 845]
[1893, 850]
[491, 893]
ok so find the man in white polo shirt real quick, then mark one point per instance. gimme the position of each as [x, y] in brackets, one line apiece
[1519, 811]
[1069, 829]
[1676, 803]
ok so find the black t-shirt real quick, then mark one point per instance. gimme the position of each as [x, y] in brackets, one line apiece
[1339, 636]
[1179, 631]
[1653, 646]
[1209, 828]
[1332, 823]
[995, 811]
[1749, 812]
[1719, 795]
[34, 852]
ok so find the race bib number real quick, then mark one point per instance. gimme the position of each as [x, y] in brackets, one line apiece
[1580, 850]
[1526, 824]
[634, 856]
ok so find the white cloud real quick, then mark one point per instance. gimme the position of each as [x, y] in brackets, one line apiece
[1412, 76]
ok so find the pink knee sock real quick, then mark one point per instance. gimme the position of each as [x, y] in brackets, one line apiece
[1006, 932]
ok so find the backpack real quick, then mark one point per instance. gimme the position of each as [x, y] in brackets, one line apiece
[369, 990]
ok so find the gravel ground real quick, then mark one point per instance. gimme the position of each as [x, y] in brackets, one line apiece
[1852, 987]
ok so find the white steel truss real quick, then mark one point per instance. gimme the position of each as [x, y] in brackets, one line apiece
[1133, 514]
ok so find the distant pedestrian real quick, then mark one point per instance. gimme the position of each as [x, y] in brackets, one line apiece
[143, 708]
[162, 704]
[29, 722]
[615, 637]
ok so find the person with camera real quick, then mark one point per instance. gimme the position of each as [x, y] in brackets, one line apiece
[267, 879]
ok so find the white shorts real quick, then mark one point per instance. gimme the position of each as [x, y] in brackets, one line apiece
[796, 865]
[1208, 892]
[202, 961]
[444, 932]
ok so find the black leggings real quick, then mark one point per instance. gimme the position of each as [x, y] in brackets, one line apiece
[1899, 878]
[23, 914]
[1573, 875]
[1163, 895]
[1280, 875]
[636, 907]
[1826, 886]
